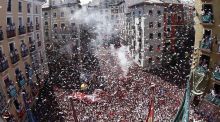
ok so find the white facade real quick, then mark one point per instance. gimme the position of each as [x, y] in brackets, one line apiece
[147, 24]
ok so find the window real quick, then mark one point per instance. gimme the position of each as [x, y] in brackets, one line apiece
[150, 60]
[38, 37]
[72, 11]
[179, 18]
[9, 21]
[45, 14]
[169, 19]
[36, 9]
[1, 52]
[62, 14]
[139, 12]
[158, 12]
[7, 81]
[62, 25]
[157, 59]
[150, 12]
[158, 47]
[46, 23]
[151, 35]
[46, 34]
[151, 48]
[28, 19]
[158, 24]
[151, 24]
[63, 36]
[17, 105]
[168, 31]
[218, 47]
[9, 6]
[54, 15]
[19, 6]
[73, 24]
[55, 25]
[30, 40]
[20, 21]
[36, 20]
[159, 35]
[29, 8]
[11, 47]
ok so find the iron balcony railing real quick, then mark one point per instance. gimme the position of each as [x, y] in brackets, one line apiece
[24, 51]
[206, 43]
[30, 27]
[14, 57]
[12, 91]
[20, 79]
[216, 74]
[37, 26]
[32, 47]
[39, 43]
[21, 30]
[3, 65]
[207, 18]
[11, 31]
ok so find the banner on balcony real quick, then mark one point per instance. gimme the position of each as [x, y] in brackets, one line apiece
[199, 80]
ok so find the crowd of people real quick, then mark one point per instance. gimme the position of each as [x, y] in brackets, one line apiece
[126, 97]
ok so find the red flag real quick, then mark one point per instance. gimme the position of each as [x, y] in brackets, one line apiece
[150, 116]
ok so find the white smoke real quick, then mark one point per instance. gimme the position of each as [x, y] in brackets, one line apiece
[122, 55]
[103, 27]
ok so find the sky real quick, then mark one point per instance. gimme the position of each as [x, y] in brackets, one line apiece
[85, 1]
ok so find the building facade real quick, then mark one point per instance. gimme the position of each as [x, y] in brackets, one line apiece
[146, 36]
[59, 26]
[23, 66]
[206, 56]
[174, 29]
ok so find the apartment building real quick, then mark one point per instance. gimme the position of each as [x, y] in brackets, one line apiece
[59, 25]
[23, 64]
[206, 57]
[174, 28]
[146, 24]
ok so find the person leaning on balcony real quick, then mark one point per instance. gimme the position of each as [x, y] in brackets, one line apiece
[16, 52]
[217, 69]
[23, 46]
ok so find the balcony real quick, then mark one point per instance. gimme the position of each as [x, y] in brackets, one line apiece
[207, 19]
[12, 91]
[11, 31]
[1, 35]
[24, 51]
[206, 44]
[37, 26]
[216, 74]
[21, 30]
[32, 47]
[29, 71]
[30, 28]
[20, 78]
[207, 14]
[200, 70]
[14, 57]
[213, 99]
[3, 103]
[21, 82]
[39, 43]
[3, 64]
